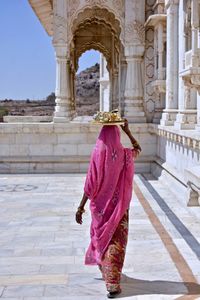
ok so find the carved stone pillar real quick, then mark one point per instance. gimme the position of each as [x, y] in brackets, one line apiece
[104, 85]
[134, 52]
[186, 117]
[160, 30]
[115, 97]
[134, 109]
[123, 83]
[195, 31]
[63, 89]
[170, 111]
[73, 91]
[198, 113]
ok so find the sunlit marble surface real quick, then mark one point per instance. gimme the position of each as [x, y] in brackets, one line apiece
[42, 248]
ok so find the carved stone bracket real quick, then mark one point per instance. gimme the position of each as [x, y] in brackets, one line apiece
[191, 79]
[159, 86]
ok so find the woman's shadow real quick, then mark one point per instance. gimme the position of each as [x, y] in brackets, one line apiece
[134, 287]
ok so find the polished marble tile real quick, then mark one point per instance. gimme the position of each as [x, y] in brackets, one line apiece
[42, 248]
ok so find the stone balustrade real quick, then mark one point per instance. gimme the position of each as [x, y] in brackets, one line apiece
[186, 138]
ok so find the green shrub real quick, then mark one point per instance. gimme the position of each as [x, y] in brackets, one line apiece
[3, 111]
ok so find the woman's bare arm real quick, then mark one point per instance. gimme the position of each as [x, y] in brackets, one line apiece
[134, 142]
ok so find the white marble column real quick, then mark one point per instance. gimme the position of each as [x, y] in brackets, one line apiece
[198, 113]
[134, 54]
[104, 85]
[123, 83]
[63, 88]
[73, 92]
[186, 117]
[134, 90]
[170, 111]
[115, 97]
[160, 51]
[195, 31]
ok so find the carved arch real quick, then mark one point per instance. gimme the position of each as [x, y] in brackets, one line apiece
[99, 13]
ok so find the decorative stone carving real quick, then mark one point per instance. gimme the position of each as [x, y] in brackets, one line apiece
[60, 29]
[135, 33]
[150, 105]
[115, 7]
[191, 80]
[72, 7]
[119, 4]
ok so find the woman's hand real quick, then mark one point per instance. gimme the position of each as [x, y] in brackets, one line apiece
[79, 213]
[79, 217]
[125, 127]
[136, 153]
[138, 148]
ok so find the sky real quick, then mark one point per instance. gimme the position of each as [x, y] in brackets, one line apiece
[27, 60]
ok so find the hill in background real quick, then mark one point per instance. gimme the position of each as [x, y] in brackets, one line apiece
[87, 98]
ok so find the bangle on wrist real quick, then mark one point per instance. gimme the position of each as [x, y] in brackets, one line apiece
[81, 210]
[135, 144]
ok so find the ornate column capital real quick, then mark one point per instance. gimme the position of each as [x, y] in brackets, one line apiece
[61, 50]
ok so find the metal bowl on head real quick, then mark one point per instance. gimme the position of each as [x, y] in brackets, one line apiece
[108, 118]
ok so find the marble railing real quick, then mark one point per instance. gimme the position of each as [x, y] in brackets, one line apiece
[185, 138]
[178, 154]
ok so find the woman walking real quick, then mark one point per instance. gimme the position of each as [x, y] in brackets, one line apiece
[108, 185]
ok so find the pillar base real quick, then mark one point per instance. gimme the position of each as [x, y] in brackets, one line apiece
[63, 110]
[168, 117]
[186, 119]
[134, 111]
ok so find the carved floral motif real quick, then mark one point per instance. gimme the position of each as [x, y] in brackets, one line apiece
[135, 32]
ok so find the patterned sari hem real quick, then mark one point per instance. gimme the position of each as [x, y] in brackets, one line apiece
[113, 259]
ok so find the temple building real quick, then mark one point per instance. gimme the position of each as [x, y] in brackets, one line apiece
[149, 69]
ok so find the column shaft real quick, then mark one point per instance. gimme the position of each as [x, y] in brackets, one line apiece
[63, 89]
[186, 117]
[134, 110]
[169, 114]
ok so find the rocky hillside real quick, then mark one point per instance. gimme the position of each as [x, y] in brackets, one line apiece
[87, 98]
[87, 91]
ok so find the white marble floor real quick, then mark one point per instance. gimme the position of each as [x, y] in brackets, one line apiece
[42, 248]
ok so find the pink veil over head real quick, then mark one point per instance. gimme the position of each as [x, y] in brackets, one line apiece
[109, 187]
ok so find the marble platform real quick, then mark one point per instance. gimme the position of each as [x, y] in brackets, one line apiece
[42, 248]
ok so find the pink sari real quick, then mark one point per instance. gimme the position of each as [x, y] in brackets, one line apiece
[109, 187]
